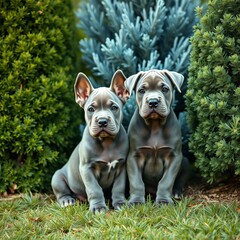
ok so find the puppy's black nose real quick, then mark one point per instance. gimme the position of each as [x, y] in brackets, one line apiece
[102, 122]
[153, 103]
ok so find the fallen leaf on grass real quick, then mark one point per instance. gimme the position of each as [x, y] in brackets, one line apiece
[36, 219]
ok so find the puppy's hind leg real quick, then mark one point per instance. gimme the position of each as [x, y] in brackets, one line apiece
[181, 179]
[61, 189]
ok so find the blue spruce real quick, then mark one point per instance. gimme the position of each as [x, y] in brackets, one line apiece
[136, 36]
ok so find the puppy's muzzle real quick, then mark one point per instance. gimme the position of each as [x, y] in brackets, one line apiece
[153, 103]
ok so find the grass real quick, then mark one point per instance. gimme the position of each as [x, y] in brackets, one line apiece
[40, 217]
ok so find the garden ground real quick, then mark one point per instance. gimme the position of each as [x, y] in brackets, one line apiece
[225, 191]
[207, 212]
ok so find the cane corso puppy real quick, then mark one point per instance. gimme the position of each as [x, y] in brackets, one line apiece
[155, 153]
[98, 162]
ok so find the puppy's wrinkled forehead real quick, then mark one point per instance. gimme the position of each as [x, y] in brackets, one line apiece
[153, 80]
[102, 96]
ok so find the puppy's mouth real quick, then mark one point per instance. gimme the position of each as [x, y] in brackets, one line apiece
[104, 133]
[155, 115]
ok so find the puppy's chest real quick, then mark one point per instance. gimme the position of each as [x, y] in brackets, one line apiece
[107, 165]
[156, 153]
[156, 139]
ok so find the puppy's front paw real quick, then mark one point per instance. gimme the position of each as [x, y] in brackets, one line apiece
[164, 201]
[66, 201]
[99, 209]
[119, 205]
[136, 201]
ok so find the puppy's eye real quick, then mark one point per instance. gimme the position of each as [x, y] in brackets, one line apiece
[165, 89]
[91, 109]
[141, 90]
[114, 108]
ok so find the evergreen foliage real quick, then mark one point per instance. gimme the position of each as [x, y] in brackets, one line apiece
[214, 90]
[36, 63]
[134, 36]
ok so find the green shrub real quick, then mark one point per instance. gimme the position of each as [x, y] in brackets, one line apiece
[36, 65]
[213, 96]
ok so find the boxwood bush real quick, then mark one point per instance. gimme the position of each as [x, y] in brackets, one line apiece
[213, 96]
[36, 99]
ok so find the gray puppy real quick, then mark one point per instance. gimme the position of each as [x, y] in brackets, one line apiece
[98, 162]
[155, 154]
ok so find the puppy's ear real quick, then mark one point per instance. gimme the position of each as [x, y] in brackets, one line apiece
[117, 86]
[176, 78]
[82, 89]
[131, 82]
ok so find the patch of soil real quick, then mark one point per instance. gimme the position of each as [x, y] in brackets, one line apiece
[227, 190]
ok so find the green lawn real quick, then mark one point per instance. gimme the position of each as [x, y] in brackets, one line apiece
[40, 217]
